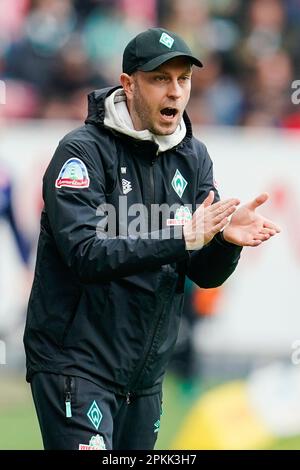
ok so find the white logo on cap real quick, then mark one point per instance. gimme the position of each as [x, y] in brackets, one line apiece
[166, 40]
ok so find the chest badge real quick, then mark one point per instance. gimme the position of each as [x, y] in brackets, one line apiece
[179, 183]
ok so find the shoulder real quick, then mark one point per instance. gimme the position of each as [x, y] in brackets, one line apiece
[81, 140]
[88, 150]
[95, 145]
[75, 148]
[199, 148]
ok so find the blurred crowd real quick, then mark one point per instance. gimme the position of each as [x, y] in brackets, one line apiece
[53, 52]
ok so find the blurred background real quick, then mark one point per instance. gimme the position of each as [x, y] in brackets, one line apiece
[234, 380]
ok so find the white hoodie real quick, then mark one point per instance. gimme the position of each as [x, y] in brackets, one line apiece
[118, 118]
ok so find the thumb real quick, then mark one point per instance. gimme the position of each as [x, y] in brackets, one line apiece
[258, 201]
[209, 199]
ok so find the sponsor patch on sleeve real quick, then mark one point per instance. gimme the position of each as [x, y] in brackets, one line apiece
[73, 174]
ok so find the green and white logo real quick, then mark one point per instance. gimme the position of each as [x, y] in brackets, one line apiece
[96, 443]
[183, 213]
[179, 183]
[157, 425]
[166, 40]
[94, 414]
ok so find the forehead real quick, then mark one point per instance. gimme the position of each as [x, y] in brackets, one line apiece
[177, 64]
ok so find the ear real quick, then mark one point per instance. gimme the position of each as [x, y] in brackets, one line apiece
[127, 83]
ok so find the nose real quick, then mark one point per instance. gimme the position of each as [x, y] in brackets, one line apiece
[174, 90]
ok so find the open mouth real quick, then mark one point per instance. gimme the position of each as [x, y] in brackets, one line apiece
[168, 113]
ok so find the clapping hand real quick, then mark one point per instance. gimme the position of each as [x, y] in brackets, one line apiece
[247, 228]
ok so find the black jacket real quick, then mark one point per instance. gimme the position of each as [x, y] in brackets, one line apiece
[108, 309]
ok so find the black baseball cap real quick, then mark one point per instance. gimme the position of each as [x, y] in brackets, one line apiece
[151, 48]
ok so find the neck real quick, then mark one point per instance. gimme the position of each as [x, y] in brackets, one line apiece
[137, 124]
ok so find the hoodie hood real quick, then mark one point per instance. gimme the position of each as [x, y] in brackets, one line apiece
[107, 108]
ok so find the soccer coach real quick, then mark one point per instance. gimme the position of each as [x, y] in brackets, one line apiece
[104, 310]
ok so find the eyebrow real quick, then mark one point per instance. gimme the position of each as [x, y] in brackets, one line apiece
[188, 70]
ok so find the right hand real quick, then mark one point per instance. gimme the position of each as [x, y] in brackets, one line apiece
[207, 221]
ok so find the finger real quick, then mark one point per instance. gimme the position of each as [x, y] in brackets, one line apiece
[209, 199]
[270, 225]
[270, 231]
[262, 237]
[258, 201]
[225, 213]
[251, 242]
[254, 243]
[220, 225]
[221, 206]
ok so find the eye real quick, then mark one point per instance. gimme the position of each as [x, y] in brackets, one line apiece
[160, 78]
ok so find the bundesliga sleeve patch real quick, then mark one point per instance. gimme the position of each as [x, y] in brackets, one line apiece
[73, 174]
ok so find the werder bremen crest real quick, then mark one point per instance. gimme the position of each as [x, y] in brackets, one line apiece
[179, 183]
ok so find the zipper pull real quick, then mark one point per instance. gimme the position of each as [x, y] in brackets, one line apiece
[68, 405]
[128, 398]
[68, 397]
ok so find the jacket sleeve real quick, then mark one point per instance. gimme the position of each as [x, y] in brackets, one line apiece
[216, 261]
[73, 220]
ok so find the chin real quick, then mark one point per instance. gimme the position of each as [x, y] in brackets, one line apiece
[165, 131]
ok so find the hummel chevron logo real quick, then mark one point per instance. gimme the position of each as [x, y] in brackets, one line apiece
[126, 185]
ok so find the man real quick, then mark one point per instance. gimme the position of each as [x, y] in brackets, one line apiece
[107, 296]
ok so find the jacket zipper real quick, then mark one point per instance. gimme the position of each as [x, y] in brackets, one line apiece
[152, 179]
[68, 396]
[151, 198]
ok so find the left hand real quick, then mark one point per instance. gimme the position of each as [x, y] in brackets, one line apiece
[246, 228]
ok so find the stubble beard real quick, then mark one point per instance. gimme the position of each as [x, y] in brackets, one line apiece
[142, 111]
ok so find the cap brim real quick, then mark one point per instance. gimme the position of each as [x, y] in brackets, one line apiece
[154, 63]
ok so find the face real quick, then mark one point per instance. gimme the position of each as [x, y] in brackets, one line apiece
[156, 100]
